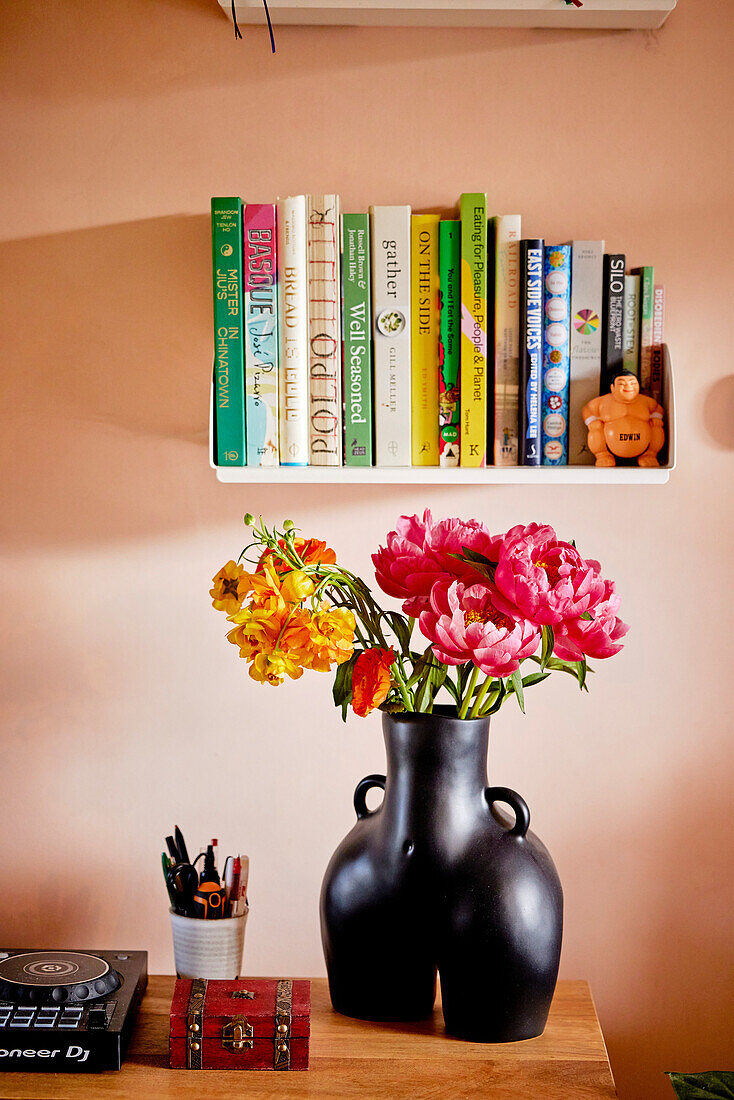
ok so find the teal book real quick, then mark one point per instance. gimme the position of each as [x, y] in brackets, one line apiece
[229, 355]
[357, 329]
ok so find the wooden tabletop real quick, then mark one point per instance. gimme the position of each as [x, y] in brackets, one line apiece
[351, 1058]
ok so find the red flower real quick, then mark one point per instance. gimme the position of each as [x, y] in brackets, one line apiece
[420, 552]
[371, 680]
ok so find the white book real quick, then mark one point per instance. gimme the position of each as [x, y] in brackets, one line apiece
[506, 338]
[587, 259]
[631, 324]
[324, 314]
[292, 283]
[390, 242]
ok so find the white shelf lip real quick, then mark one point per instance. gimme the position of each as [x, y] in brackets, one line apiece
[594, 15]
[487, 475]
[434, 475]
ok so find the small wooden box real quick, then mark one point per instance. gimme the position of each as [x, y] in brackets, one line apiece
[254, 1023]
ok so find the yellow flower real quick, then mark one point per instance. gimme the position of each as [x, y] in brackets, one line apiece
[231, 585]
[265, 588]
[331, 640]
[296, 586]
[272, 668]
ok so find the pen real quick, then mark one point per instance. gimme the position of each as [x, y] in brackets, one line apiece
[181, 846]
[172, 850]
[232, 884]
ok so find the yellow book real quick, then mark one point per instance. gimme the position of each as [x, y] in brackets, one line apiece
[424, 339]
[473, 390]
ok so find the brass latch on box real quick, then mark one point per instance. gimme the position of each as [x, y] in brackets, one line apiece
[237, 1034]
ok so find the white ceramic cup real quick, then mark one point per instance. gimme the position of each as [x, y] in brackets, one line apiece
[208, 948]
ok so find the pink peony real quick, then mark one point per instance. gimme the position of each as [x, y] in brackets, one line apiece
[464, 623]
[597, 637]
[545, 579]
[419, 554]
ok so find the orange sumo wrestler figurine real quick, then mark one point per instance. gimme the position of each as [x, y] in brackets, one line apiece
[624, 423]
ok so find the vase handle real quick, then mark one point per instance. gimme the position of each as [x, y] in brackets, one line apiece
[518, 804]
[360, 794]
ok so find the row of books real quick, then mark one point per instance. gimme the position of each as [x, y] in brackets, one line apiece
[398, 339]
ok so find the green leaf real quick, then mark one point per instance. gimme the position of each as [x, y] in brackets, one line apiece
[547, 647]
[400, 627]
[581, 666]
[516, 681]
[342, 690]
[534, 678]
[588, 616]
[452, 688]
[713, 1085]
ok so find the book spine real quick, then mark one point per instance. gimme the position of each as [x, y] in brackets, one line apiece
[292, 284]
[324, 313]
[612, 318]
[473, 437]
[261, 334]
[631, 331]
[449, 352]
[357, 328]
[647, 287]
[658, 338]
[556, 354]
[531, 350]
[424, 339]
[390, 244]
[506, 339]
[229, 362]
[587, 262]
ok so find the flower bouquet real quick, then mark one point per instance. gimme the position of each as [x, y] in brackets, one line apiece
[484, 604]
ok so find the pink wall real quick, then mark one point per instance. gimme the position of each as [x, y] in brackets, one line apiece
[124, 707]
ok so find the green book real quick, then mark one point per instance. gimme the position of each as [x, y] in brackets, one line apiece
[357, 329]
[229, 358]
[647, 287]
[449, 355]
[473, 433]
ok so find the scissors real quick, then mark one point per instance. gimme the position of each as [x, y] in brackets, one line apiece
[182, 881]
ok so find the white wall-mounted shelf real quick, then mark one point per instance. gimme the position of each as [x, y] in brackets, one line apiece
[553, 14]
[489, 475]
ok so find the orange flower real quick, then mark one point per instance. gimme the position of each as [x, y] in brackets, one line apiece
[230, 588]
[310, 551]
[371, 680]
[332, 638]
[272, 668]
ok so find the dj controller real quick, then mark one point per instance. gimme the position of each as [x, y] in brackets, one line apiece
[68, 1010]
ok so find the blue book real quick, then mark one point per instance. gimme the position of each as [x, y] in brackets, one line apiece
[531, 349]
[556, 355]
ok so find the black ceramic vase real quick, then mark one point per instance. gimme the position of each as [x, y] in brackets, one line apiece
[439, 879]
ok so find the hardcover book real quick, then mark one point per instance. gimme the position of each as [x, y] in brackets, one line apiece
[424, 339]
[229, 362]
[357, 328]
[631, 331]
[506, 339]
[612, 318]
[293, 316]
[449, 352]
[531, 350]
[261, 335]
[556, 355]
[474, 389]
[658, 338]
[324, 310]
[647, 285]
[390, 244]
[587, 258]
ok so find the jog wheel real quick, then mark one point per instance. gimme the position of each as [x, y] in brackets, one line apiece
[61, 977]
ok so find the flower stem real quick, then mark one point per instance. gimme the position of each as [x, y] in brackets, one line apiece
[469, 692]
[401, 686]
[474, 712]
